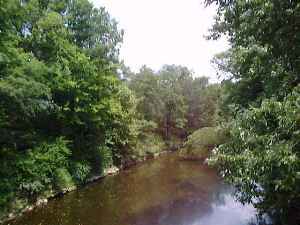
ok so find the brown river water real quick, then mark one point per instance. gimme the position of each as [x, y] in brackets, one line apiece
[163, 191]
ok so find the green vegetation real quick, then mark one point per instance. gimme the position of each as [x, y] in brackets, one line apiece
[70, 109]
[65, 114]
[172, 103]
[261, 103]
[149, 144]
[200, 143]
[63, 179]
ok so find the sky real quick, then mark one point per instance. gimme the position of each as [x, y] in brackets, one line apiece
[159, 32]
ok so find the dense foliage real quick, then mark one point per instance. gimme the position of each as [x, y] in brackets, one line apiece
[65, 114]
[175, 102]
[200, 143]
[262, 158]
[261, 102]
[63, 111]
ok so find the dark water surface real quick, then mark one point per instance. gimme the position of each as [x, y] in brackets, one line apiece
[164, 191]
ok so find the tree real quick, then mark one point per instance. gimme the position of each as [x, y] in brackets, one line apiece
[262, 157]
[260, 102]
[264, 58]
[178, 103]
[60, 95]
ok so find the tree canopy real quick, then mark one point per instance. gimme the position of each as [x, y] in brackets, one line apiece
[260, 102]
[62, 105]
[174, 99]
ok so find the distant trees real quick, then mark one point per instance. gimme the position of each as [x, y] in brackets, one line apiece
[261, 103]
[176, 101]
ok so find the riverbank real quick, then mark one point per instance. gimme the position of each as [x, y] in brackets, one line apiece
[165, 190]
[48, 196]
[21, 205]
[53, 194]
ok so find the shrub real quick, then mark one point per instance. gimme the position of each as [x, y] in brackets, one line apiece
[80, 171]
[26, 175]
[63, 179]
[106, 157]
[36, 168]
[149, 143]
[206, 137]
[8, 176]
[199, 143]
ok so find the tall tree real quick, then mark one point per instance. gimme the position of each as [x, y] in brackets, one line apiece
[172, 98]
[62, 105]
[261, 95]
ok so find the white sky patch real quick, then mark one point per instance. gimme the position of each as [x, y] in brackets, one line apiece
[159, 32]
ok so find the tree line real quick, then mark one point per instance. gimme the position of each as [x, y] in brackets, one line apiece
[175, 100]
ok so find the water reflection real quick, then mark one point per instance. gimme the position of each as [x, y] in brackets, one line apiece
[213, 208]
[228, 212]
[159, 192]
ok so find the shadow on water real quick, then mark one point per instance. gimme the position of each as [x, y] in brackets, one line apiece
[164, 191]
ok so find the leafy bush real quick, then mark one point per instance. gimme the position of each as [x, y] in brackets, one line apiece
[262, 156]
[106, 157]
[80, 171]
[199, 143]
[26, 175]
[8, 184]
[149, 143]
[145, 126]
[63, 179]
[206, 137]
[36, 168]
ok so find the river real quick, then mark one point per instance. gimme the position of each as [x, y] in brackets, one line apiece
[163, 191]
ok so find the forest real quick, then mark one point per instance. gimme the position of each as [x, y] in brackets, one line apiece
[70, 108]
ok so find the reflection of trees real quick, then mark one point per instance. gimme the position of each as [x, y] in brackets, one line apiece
[218, 196]
[227, 193]
[194, 199]
[163, 192]
[175, 212]
[258, 220]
